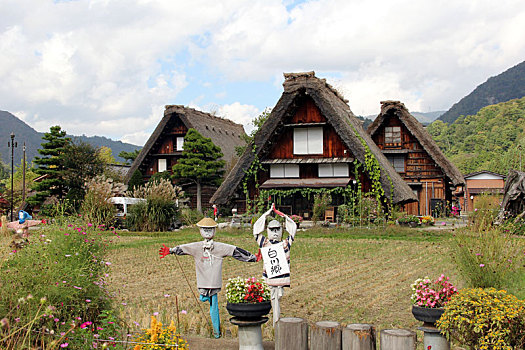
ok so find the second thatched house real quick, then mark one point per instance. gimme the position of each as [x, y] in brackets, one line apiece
[417, 158]
[165, 145]
[310, 141]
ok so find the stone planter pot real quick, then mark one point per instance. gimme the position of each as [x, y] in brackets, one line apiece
[427, 315]
[412, 224]
[249, 311]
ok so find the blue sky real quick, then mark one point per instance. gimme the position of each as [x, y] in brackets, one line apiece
[108, 67]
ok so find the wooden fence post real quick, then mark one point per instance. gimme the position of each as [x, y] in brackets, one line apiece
[325, 335]
[291, 333]
[359, 336]
[398, 339]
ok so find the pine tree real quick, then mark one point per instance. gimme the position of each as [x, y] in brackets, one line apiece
[200, 162]
[136, 180]
[51, 164]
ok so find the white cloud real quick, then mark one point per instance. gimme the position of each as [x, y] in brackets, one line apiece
[239, 113]
[104, 67]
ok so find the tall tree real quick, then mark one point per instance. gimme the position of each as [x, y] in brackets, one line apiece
[51, 164]
[81, 162]
[129, 156]
[200, 162]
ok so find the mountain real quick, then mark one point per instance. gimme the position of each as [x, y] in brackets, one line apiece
[501, 88]
[423, 118]
[492, 139]
[33, 140]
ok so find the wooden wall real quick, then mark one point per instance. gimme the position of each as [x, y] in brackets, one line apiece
[420, 168]
[308, 113]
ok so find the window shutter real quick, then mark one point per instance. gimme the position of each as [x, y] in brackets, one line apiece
[326, 170]
[162, 165]
[180, 143]
[277, 170]
[340, 170]
[315, 140]
[291, 170]
[300, 141]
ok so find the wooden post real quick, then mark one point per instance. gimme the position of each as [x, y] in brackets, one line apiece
[398, 339]
[359, 336]
[325, 335]
[291, 333]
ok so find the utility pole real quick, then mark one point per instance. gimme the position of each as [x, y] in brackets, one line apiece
[13, 145]
[24, 175]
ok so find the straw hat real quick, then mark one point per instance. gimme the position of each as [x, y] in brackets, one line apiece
[207, 222]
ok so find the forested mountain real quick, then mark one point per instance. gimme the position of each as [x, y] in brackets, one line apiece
[492, 139]
[504, 87]
[33, 139]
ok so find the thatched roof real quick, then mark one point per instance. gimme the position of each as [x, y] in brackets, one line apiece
[223, 132]
[333, 106]
[397, 109]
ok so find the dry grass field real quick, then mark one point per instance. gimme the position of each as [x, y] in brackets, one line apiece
[349, 276]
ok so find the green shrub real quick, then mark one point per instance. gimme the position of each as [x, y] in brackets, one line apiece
[487, 257]
[321, 202]
[408, 219]
[485, 319]
[159, 211]
[54, 282]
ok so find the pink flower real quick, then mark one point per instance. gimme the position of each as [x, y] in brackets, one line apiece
[64, 345]
[481, 265]
[155, 314]
[184, 312]
[88, 300]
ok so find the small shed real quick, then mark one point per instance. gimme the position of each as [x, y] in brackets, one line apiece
[483, 183]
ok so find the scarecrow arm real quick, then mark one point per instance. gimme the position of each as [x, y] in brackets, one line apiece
[33, 222]
[243, 255]
[290, 225]
[163, 251]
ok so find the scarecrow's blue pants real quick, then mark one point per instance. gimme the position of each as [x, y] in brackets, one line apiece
[214, 313]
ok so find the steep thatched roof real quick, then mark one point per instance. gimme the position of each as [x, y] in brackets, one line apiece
[333, 106]
[223, 132]
[513, 203]
[398, 109]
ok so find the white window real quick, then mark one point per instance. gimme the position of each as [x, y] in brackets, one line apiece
[308, 140]
[284, 170]
[333, 170]
[393, 134]
[162, 165]
[398, 162]
[180, 143]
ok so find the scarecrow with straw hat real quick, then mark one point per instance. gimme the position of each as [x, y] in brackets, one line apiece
[208, 257]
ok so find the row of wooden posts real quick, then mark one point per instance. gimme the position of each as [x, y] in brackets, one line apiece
[292, 334]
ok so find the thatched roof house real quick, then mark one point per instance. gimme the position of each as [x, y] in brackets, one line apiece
[513, 204]
[165, 145]
[309, 102]
[414, 154]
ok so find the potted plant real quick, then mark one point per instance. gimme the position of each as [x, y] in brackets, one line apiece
[429, 298]
[409, 220]
[427, 220]
[297, 219]
[247, 298]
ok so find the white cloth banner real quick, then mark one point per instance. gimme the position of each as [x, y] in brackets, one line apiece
[275, 261]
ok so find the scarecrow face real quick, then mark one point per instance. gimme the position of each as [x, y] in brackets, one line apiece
[207, 232]
[275, 231]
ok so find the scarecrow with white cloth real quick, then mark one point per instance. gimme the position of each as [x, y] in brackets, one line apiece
[276, 255]
[208, 257]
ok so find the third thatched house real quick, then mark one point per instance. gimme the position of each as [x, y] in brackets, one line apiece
[417, 158]
[310, 141]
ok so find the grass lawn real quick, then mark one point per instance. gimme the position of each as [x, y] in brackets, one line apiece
[349, 276]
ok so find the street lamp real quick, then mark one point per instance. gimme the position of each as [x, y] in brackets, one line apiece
[13, 145]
